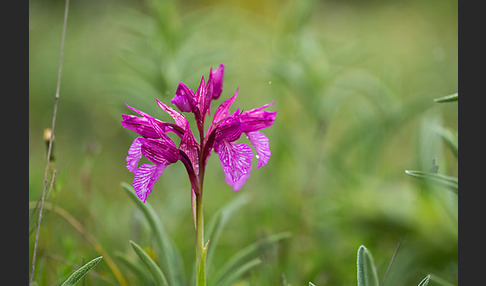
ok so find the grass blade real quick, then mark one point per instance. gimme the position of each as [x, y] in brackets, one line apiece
[218, 222]
[447, 98]
[234, 275]
[201, 275]
[157, 273]
[78, 274]
[135, 267]
[450, 139]
[446, 181]
[245, 254]
[367, 275]
[172, 263]
[425, 281]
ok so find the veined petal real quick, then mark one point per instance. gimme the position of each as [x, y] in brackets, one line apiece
[178, 117]
[159, 151]
[236, 162]
[201, 99]
[184, 98]
[256, 119]
[229, 129]
[260, 142]
[139, 125]
[145, 178]
[217, 81]
[134, 155]
[223, 109]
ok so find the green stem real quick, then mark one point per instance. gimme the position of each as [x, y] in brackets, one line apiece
[200, 263]
[200, 250]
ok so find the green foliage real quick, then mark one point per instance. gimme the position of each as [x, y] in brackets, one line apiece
[172, 261]
[78, 274]
[154, 269]
[243, 260]
[367, 275]
[425, 281]
[449, 182]
[448, 98]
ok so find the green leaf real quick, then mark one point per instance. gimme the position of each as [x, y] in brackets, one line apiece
[136, 267]
[172, 264]
[218, 222]
[231, 267]
[449, 182]
[154, 269]
[367, 275]
[78, 274]
[311, 284]
[439, 280]
[201, 272]
[234, 275]
[447, 98]
[425, 281]
[450, 138]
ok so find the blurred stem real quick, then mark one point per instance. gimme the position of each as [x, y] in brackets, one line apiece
[200, 264]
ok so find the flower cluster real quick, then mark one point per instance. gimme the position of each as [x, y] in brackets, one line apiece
[226, 128]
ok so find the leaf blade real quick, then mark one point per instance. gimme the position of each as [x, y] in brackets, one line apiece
[367, 275]
[154, 269]
[78, 274]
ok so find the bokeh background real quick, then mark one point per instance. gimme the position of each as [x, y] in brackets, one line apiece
[353, 84]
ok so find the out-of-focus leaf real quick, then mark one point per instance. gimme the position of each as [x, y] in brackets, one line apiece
[136, 267]
[234, 275]
[311, 284]
[447, 98]
[172, 262]
[228, 269]
[367, 275]
[449, 182]
[219, 220]
[450, 138]
[425, 281]
[154, 269]
[78, 274]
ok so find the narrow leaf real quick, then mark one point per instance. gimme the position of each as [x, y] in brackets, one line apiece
[237, 273]
[78, 274]
[154, 269]
[450, 139]
[311, 284]
[243, 255]
[136, 267]
[449, 182]
[201, 272]
[219, 221]
[425, 281]
[367, 275]
[447, 98]
[172, 262]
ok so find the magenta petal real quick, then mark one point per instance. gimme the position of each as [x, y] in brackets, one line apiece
[178, 117]
[223, 109]
[260, 142]
[160, 151]
[236, 162]
[145, 178]
[184, 99]
[256, 119]
[134, 155]
[217, 81]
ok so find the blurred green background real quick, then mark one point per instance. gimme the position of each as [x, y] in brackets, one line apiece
[353, 84]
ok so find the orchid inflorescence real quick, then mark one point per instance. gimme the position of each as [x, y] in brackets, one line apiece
[225, 129]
